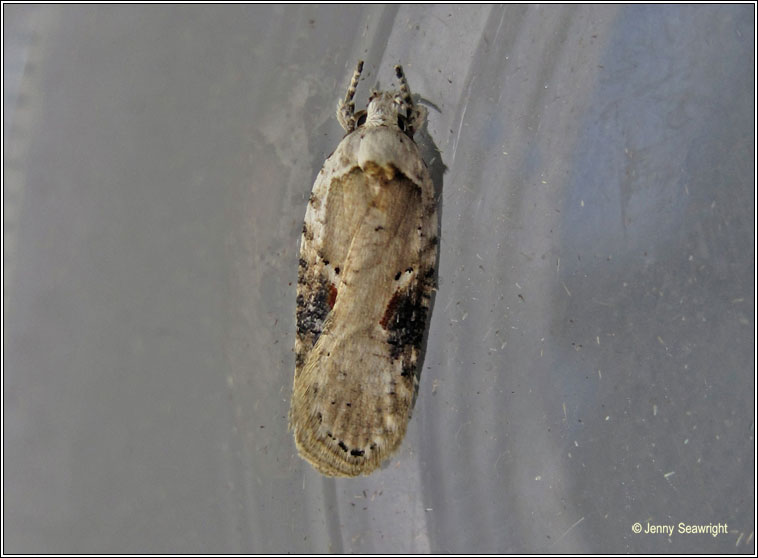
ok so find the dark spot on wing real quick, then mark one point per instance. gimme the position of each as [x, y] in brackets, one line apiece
[405, 321]
[312, 310]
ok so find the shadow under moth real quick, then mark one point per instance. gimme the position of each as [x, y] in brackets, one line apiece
[365, 281]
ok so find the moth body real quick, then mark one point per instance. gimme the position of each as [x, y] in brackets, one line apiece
[365, 281]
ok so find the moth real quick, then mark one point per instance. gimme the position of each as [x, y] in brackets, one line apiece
[365, 280]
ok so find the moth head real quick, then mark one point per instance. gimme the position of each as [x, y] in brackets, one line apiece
[384, 109]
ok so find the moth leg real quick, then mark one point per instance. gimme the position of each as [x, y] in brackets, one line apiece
[346, 107]
[416, 114]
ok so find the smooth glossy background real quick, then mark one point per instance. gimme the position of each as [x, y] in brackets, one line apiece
[590, 358]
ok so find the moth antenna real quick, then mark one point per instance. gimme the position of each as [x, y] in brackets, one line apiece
[405, 91]
[346, 107]
[354, 84]
[416, 114]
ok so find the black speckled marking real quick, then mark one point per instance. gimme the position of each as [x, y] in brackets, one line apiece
[408, 370]
[301, 271]
[312, 312]
[299, 359]
[405, 322]
[314, 201]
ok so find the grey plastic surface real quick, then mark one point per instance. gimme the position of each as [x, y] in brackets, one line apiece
[590, 359]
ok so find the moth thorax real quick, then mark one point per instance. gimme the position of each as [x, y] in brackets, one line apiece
[384, 109]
